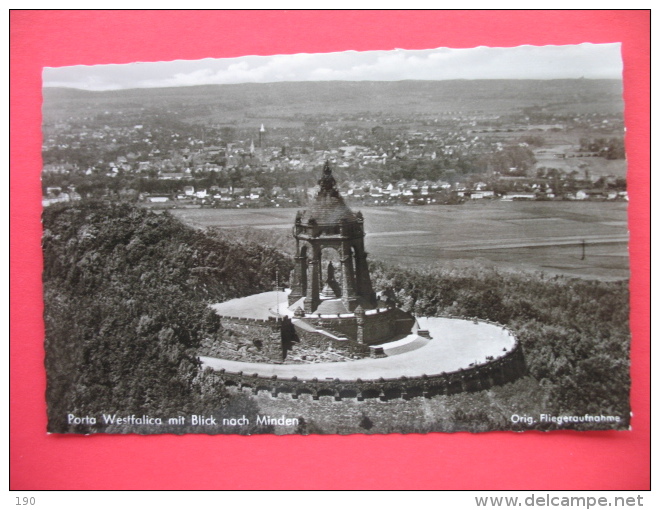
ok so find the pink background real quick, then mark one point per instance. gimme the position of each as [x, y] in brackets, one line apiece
[559, 460]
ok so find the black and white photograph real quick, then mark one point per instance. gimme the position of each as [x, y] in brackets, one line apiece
[377, 242]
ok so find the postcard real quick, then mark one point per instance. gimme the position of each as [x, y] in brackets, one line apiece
[345, 243]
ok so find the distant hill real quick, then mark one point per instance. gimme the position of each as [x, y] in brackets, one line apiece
[290, 99]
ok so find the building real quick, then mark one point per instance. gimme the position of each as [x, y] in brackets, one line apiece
[340, 299]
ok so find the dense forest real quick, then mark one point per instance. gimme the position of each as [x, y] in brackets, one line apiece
[575, 333]
[126, 311]
[126, 294]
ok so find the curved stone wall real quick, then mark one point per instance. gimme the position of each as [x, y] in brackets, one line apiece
[504, 369]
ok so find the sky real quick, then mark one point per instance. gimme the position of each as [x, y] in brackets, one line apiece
[522, 62]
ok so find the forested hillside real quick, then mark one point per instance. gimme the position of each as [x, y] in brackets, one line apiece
[575, 333]
[126, 294]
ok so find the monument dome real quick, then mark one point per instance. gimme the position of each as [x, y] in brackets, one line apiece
[328, 208]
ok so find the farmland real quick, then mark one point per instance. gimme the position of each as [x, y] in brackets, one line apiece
[530, 236]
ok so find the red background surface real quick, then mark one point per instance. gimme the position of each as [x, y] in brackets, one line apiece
[532, 460]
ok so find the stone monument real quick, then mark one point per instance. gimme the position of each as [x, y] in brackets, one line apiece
[348, 306]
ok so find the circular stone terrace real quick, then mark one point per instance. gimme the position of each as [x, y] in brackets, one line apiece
[455, 345]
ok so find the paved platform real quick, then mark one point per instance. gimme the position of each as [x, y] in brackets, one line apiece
[455, 344]
[406, 344]
[257, 306]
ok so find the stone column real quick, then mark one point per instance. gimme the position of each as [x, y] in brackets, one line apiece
[312, 295]
[348, 294]
[362, 274]
[299, 280]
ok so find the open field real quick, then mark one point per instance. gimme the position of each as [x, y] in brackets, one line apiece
[529, 236]
[597, 167]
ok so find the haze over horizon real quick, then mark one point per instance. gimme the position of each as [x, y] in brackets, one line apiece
[589, 61]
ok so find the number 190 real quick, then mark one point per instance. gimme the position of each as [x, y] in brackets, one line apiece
[25, 501]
